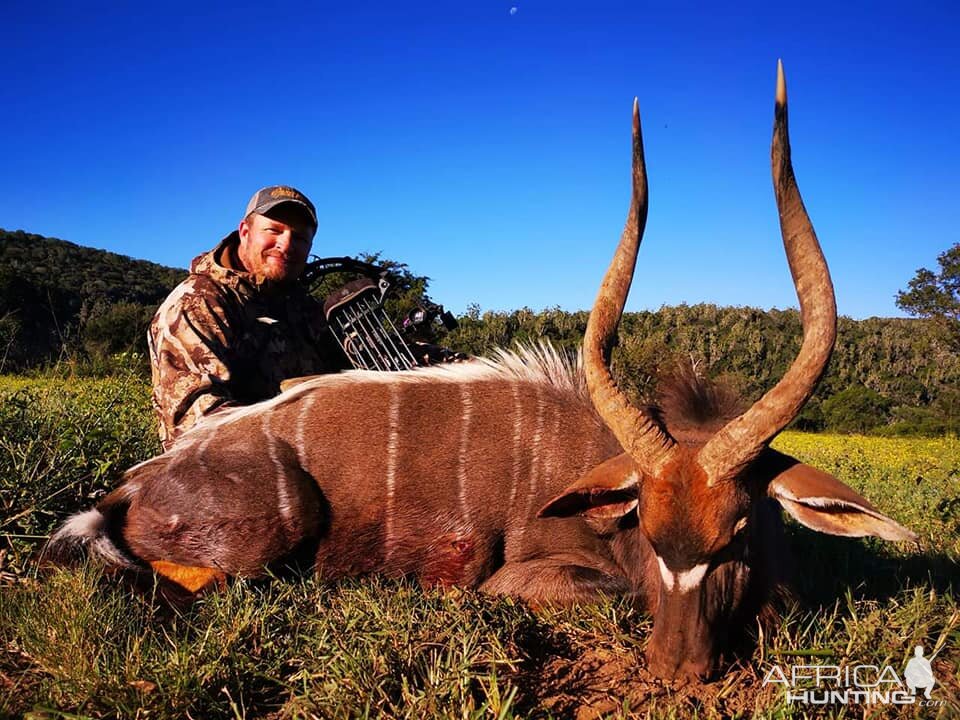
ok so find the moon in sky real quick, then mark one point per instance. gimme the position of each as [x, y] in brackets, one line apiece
[513, 10]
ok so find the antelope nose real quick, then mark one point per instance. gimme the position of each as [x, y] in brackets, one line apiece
[679, 667]
[697, 670]
[666, 665]
[662, 667]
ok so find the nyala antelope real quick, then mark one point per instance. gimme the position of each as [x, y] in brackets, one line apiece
[527, 475]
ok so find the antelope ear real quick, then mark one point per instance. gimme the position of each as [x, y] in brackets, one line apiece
[610, 490]
[823, 503]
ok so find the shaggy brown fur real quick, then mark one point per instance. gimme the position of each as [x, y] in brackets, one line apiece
[691, 406]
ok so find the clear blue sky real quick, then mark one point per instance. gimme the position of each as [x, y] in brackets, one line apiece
[489, 147]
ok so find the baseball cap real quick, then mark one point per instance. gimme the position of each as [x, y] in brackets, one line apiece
[271, 196]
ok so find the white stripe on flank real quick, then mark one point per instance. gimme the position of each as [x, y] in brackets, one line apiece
[283, 494]
[535, 461]
[301, 441]
[553, 449]
[538, 433]
[202, 451]
[466, 416]
[393, 449]
[517, 438]
[587, 460]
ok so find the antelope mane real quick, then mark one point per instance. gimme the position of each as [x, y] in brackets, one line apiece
[689, 401]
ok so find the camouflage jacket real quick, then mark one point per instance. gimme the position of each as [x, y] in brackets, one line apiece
[223, 338]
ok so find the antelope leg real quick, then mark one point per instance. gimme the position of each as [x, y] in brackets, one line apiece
[557, 581]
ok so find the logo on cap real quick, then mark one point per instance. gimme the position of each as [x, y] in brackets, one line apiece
[282, 191]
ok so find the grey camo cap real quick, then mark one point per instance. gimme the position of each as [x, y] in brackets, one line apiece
[271, 196]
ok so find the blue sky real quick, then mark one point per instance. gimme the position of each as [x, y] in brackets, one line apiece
[489, 148]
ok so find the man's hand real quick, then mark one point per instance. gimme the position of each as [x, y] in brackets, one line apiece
[428, 354]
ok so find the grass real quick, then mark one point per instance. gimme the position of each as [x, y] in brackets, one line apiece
[62, 444]
[76, 644]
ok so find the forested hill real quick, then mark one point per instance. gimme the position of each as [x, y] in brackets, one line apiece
[62, 301]
[55, 296]
[88, 272]
[886, 374]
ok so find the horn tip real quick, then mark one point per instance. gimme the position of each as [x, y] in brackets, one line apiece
[781, 85]
[636, 114]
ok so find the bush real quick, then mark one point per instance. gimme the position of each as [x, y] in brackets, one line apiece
[117, 328]
[857, 409]
[811, 418]
[929, 422]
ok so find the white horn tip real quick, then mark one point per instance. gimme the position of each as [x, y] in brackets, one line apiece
[781, 85]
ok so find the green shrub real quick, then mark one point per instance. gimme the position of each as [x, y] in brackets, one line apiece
[857, 409]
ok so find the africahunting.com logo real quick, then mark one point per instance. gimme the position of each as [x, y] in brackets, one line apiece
[857, 684]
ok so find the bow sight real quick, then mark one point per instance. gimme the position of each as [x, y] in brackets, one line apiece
[358, 321]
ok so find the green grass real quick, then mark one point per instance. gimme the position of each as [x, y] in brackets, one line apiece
[76, 644]
[61, 445]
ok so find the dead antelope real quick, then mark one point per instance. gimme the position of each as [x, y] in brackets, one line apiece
[524, 475]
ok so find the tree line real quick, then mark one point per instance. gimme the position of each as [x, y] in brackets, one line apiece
[60, 301]
[890, 375]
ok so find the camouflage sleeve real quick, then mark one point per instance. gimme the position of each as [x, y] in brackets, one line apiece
[191, 341]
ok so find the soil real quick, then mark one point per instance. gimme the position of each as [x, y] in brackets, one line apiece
[601, 683]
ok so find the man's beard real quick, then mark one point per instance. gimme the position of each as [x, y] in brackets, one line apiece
[283, 273]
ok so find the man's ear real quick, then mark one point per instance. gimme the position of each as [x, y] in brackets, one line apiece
[609, 490]
[823, 503]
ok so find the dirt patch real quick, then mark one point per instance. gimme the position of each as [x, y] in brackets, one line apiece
[602, 683]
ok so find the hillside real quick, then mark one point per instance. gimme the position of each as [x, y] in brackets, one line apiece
[55, 295]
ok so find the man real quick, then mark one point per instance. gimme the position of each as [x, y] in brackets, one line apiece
[241, 323]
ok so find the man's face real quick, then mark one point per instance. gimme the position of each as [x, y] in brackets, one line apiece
[276, 247]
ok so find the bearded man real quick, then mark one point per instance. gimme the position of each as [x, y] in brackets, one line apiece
[241, 322]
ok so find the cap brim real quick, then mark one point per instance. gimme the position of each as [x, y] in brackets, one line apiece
[271, 204]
